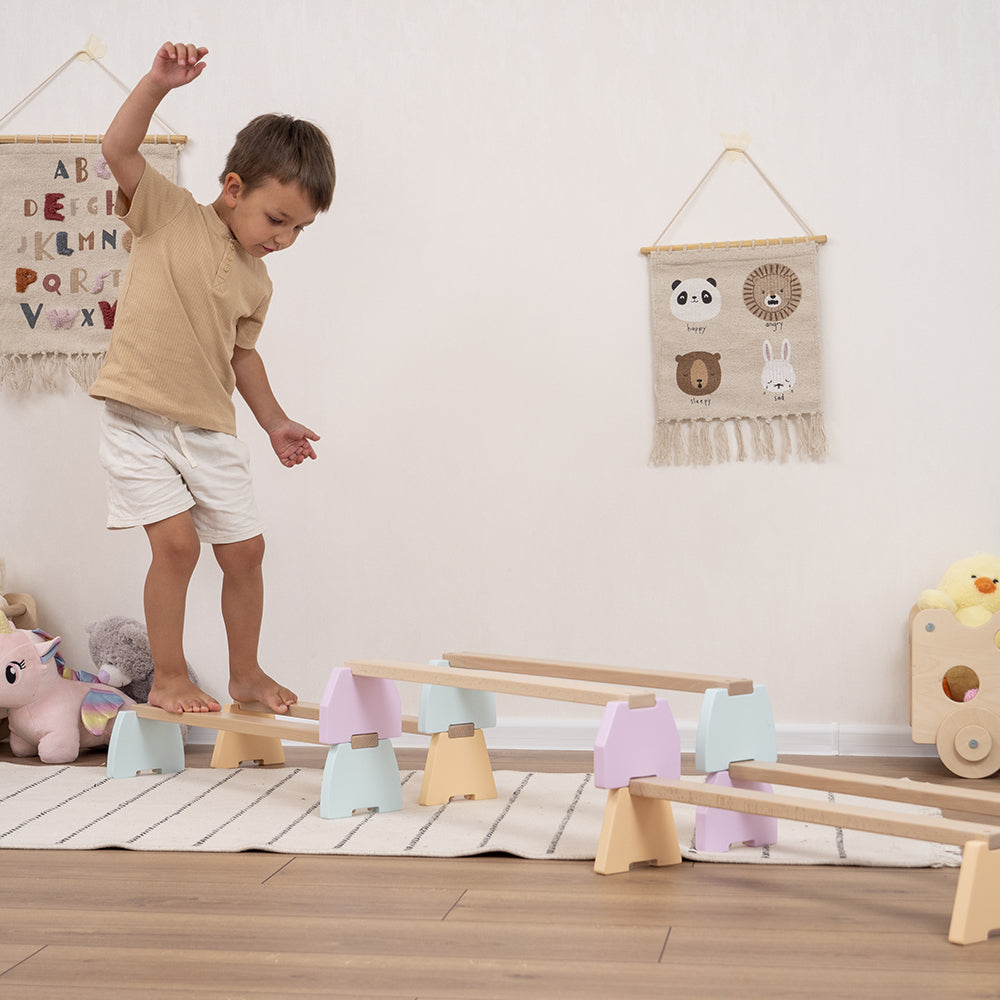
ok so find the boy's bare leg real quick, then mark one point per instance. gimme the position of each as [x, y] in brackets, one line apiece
[175, 550]
[242, 611]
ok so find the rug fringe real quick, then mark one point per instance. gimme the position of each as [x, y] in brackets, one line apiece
[20, 371]
[762, 439]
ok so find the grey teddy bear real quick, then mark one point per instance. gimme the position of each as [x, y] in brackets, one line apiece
[119, 647]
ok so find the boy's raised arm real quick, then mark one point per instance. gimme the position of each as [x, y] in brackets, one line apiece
[174, 66]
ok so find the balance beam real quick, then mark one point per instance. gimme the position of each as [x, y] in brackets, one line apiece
[582, 692]
[921, 793]
[248, 725]
[933, 828]
[696, 683]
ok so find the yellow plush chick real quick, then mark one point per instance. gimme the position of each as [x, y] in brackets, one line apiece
[970, 588]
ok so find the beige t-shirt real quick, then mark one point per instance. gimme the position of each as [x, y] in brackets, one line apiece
[191, 295]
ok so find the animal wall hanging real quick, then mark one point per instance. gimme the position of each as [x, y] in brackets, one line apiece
[63, 250]
[737, 361]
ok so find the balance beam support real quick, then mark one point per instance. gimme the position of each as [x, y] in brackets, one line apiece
[635, 830]
[977, 899]
[232, 748]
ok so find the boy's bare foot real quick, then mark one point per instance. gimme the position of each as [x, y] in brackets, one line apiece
[253, 685]
[182, 695]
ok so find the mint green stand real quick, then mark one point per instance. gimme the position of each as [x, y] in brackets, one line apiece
[356, 780]
[139, 745]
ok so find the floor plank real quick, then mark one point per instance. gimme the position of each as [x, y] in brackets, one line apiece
[259, 925]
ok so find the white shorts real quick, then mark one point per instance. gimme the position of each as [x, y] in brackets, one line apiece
[157, 468]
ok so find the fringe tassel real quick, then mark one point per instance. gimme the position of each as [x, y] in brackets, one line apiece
[19, 371]
[763, 439]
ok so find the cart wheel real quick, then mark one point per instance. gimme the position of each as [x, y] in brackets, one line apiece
[968, 742]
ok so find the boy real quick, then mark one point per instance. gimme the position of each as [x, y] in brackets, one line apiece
[194, 298]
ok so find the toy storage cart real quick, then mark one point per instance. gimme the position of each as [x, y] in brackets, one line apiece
[955, 690]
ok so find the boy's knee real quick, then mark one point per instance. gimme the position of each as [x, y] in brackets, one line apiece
[175, 544]
[241, 557]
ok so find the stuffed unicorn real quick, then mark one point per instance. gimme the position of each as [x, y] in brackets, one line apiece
[53, 711]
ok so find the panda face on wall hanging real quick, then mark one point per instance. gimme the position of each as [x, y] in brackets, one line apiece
[695, 300]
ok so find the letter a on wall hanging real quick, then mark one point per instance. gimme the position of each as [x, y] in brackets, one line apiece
[737, 365]
[63, 249]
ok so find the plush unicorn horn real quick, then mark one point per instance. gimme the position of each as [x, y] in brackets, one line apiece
[5, 626]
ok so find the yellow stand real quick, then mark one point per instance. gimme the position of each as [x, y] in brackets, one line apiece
[977, 900]
[636, 829]
[457, 766]
[232, 749]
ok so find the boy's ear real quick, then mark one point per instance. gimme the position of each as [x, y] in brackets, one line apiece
[231, 188]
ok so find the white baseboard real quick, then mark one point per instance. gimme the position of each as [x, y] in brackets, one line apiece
[804, 740]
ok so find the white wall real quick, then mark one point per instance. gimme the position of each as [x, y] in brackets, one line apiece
[469, 331]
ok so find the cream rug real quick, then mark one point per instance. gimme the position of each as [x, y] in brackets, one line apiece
[536, 815]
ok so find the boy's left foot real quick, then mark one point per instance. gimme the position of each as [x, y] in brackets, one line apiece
[254, 685]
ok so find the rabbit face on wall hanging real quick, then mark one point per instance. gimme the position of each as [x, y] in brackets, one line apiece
[777, 375]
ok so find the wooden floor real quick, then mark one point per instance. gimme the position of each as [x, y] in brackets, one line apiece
[122, 924]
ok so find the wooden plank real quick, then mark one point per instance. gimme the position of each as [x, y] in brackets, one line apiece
[233, 723]
[554, 689]
[300, 710]
[921, 793]
[666, 680]
[934, 828]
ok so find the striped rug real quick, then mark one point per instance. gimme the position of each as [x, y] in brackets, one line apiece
[535, 815]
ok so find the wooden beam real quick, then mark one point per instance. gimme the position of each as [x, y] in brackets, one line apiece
[233, 723]
[698, 683]
[555, 689]
[300, 710]
[921, 793]
[933, 828]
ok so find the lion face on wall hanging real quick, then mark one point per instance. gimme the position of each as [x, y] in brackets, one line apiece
[772, 292]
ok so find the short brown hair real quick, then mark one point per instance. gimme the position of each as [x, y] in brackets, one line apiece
[286, 149]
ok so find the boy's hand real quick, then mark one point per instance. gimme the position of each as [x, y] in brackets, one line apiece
[176, 65]
[291, 443]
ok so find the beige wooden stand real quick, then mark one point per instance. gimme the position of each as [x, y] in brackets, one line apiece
[977, 902]
[235, 748]
[459, 761]
[635, 830]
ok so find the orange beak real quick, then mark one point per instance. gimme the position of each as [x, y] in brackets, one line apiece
[985, 585]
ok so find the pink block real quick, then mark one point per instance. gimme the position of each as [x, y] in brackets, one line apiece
[636, 743]
[716, 829]
[352, 706]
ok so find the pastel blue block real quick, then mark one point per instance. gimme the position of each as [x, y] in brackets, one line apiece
[139, 745]
[734, 727]
[441, 707]
[367, 778]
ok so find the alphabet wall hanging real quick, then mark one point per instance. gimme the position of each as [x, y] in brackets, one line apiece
[737, 361]
[63, 250]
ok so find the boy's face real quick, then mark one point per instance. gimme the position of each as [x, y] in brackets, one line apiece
[267, 218]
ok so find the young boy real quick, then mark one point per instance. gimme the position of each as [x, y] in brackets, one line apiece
[188, 316]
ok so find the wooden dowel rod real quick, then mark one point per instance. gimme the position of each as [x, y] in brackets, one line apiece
[730, 244]
[933, 828]
[12, 610]
[410, 724]
[233, 722]
[555, 689]
[921, 793]
[698, 683]
[174, 140]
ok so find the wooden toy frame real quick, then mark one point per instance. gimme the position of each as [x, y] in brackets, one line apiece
[967, 734]
[642, 780]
